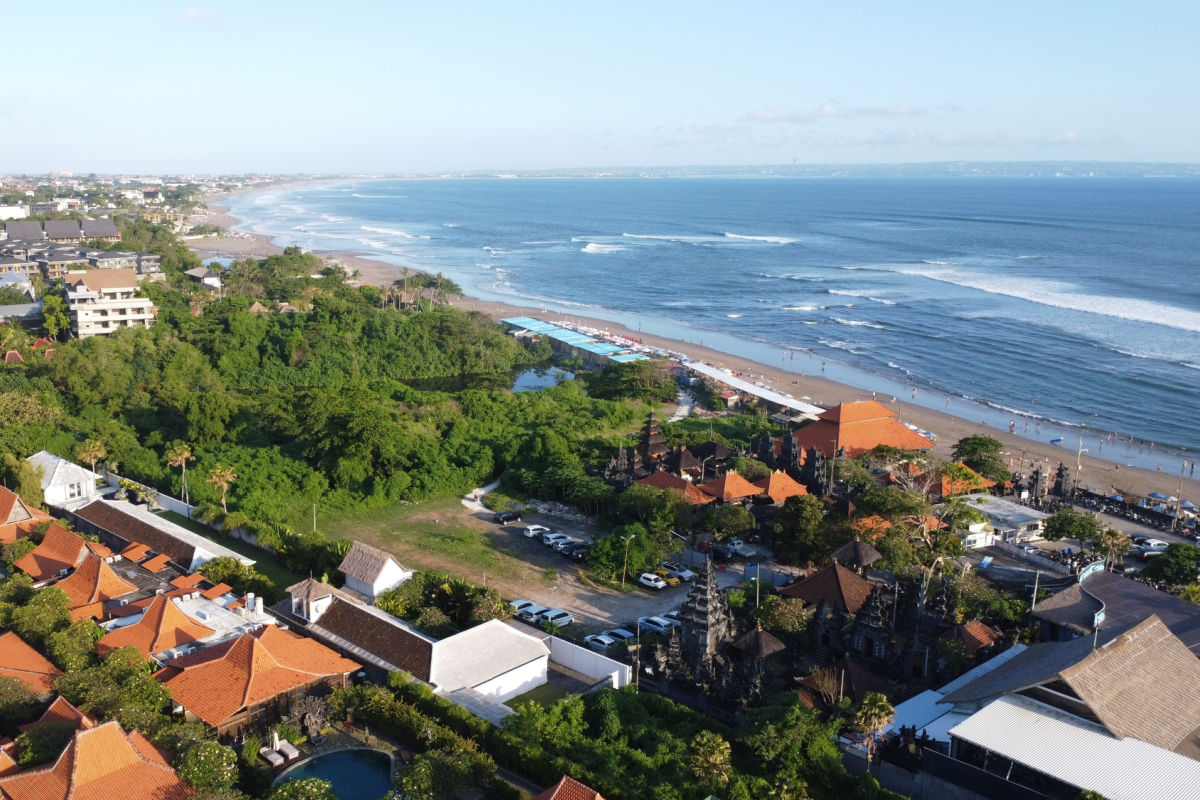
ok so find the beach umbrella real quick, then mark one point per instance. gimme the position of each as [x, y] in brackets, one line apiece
[1172, 499]
[1157, 496]
[1187, 504]
[1116, 497]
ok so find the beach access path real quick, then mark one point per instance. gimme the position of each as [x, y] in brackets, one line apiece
[1106, 476]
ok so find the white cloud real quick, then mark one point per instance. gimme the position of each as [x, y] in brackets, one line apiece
[832, 109]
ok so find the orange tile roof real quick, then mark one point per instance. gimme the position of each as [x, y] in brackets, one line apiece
[19, 660]
[7, 765]
[730, 486]
[158, 562]
[162, 627]
[188, 581]
[98, 549]
[17, 518]
[839, 587]
[569, 789]
[213, 592]
[858, 427]
[668, 482]
[61, 710]
[974, 635]
[92, 583]
[929, 522]
[779, 486]
[59, 549]
[217, 682]
[136, 552]
[948, 486]
[98, 764]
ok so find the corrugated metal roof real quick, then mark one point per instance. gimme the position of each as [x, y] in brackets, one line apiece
[1079, 752]
[625, 358]
[599, 348]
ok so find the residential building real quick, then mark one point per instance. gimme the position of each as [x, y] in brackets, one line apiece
[28, 231]
[59, 552]
[100, 763]
[92, 585]
[205, 277]
[61, 710]
[1011, 522]
[182, 621]
[18, 518]
[371, 571]
[102, 301]
[14, 212]
[119, 524]
[242, 682]
[64, 231]
[64, 484]
[852, 429]
[569, 789]
[103, 229]
[19, 660]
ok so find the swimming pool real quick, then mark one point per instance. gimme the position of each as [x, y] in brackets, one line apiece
[358, 774]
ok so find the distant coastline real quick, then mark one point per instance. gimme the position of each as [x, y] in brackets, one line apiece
[1102, 473]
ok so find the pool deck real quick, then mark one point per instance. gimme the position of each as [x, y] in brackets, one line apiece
[345, 737]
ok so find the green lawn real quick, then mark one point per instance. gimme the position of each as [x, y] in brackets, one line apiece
[441, 527]
[266, 562]
[545, 695]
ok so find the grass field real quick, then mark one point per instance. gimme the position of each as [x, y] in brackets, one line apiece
[429, 533]
[266, 562]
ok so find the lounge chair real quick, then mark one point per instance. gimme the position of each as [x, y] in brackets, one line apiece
[288, 750]
[273, 758]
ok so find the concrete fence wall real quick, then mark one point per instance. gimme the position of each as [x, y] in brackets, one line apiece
[161, 498]
[589, 662]
[1036, 560]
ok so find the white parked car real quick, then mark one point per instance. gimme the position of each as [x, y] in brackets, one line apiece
[677, 570]
[556, 616]
[1152, 544]
[598, 641]
[536, 530]
[651, 581]
[621, 635]
[741, 548]
[551, 539]
[532, 613]
[655, 624]
[520, 605]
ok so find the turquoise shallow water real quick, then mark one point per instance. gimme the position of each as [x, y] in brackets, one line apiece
[359, 774]
[1072, 305]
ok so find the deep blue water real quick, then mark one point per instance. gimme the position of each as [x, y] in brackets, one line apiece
[1074, 303]
[355, 774]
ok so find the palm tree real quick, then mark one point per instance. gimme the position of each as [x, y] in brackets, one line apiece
[710, 759]
[1191, 593]
[90, 451]
[872, 717]
[221, 477]
[178, 455]
[1112, 543]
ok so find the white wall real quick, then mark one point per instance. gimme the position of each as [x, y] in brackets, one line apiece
[589, 662]
[515, 682]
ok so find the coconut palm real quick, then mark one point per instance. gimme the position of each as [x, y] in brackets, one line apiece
[1191, 593]
[222, 477]
[710, 759]
[90, 451]
[178, 455]
[1112, 543]
[872, 717]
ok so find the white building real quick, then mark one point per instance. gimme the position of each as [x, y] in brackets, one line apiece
[101, 301]
[1012, 522]
[65, 485]
[371, 571]
[14, 212]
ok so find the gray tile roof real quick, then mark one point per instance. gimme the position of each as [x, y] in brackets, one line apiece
[62, 229]
[364, 562]
[99, 228]
[24, 230]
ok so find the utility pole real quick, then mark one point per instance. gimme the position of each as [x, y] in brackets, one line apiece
[1078, 468]
[1178, 496]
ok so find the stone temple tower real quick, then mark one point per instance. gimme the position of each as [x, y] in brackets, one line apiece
[706, 623]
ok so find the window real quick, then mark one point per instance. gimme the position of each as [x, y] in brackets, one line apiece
[74, 490]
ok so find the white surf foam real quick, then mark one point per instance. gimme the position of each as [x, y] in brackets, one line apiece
[803, 308]
[449, 225]
[394, 232]
[386, 196]
[769, 239]
[863, 294]
[1058, 295]
[856, 323]
[596, 247]
[733, 316]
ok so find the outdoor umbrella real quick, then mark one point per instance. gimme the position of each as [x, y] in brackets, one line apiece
[1157, 496]
[1187, 504]
[1116, 497]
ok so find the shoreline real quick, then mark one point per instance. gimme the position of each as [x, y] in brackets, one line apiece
[1106, 475]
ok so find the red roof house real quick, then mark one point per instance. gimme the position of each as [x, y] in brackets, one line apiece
[668, 482]
[59, 550]
[730, 486]
[99, 764]
[19, 660]
[90, 585]
[230, 684]
[569, 789]
[162, 627]
[17, 518]
[61, 710]
[839, 588]
[779, 486]
[857, 428]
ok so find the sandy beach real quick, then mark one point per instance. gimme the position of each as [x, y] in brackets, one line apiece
[1107, 476]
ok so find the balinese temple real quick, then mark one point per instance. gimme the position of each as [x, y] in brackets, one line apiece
[652, 445]
[852, 429]
[706, 624]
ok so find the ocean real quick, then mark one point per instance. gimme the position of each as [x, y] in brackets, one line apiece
[1068, 307]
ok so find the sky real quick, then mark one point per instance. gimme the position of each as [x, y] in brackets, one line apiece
[393, 86]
